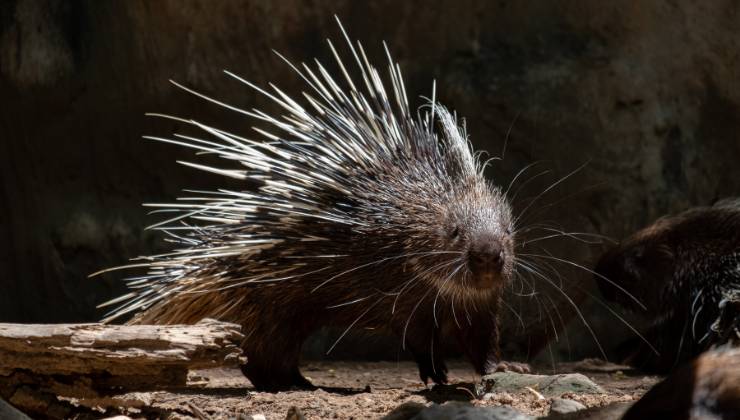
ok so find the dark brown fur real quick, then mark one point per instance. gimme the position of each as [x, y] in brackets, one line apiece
[685, 269]
[406, 286]
[708, 388]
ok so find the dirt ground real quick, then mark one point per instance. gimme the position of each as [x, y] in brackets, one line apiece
[359, 390]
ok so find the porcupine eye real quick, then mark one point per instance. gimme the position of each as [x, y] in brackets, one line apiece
[632, 261]
[637, 259]
[455, 232]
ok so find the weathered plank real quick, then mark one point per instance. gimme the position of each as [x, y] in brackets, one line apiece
[122, 357]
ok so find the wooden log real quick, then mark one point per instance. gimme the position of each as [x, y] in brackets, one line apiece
[123, 357]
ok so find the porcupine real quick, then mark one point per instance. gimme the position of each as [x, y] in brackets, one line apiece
[685, 269]
[708, 387]
[366, 216]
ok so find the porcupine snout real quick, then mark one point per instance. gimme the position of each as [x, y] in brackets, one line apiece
[486, 257]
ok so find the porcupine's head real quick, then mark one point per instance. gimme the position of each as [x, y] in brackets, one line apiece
[639, 268]
[458, 228]
[351, 187]
[475, 220]
[673, 259]
[426, 210]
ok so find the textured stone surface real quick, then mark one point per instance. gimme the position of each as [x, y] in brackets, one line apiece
[645, 92]
[547, 385]
[565, 406]
[9, 412]
[455, 410]
[613, 411]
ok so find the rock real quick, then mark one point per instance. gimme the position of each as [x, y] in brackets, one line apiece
[613, 411]
[565, 406]
[295, 413]
[9, 412]
[405, 411]
[549, 386]
[454, 410]
[460, 410]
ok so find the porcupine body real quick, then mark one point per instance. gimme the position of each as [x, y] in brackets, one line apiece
[367, 216]
[707, 387]
[685, 269]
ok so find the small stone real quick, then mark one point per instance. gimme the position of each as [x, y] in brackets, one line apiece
[548, 385]
[505, 398]
[565, 406]
[405, 411]
[461, 410]
[258, 417]
[197, 380]
[534, 392]
[502, 398]
[295, 413]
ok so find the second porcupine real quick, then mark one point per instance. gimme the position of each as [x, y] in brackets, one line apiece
[366, 216]
[685, 270]
[706, 388]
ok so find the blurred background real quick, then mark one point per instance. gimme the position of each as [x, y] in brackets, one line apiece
[645, 94]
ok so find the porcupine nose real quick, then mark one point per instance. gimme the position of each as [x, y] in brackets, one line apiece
[486, 255]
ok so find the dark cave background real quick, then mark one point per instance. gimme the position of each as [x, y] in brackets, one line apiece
[644, 93]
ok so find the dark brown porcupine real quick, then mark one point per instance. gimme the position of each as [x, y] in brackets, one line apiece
[685, 270]
[366, 216]
[706, 388]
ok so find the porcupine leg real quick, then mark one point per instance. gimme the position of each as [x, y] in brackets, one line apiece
[431, 365]
[480, 342]
[274, 366]
[422, 340]
[275, 375]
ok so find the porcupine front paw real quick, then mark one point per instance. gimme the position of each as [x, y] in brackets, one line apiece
[300, 382]
[436, 371]
[509, 367]
[274, 380]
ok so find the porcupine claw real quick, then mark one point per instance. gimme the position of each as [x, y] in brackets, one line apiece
[513, 367]
[438, 373]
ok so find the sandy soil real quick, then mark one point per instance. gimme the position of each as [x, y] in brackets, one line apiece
[362, 390]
